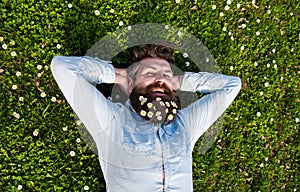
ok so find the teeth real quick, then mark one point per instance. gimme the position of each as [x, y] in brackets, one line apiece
[158, 90]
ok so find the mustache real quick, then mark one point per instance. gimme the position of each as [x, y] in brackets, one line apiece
[156, 87]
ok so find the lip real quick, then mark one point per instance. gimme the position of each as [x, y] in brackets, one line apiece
[158, 90]
[158, 93]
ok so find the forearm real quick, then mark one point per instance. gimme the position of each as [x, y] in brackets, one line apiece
[209, 82]
[74, 76]
[92, 69]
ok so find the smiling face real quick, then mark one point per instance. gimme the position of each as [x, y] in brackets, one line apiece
[151, 71]
[151, 92]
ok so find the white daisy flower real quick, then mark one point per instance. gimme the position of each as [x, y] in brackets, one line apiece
[227, 8]
[39, 67]
[185, 55]
[159, 118]
[1, 39]
[70, 5]
[258, 114]
[150, 114]
[121, 23]
[158, 99]
[162, 103]
[267, 84]
[78, 140]
[170, 117]
[177, 1]
[13, 53]
[16, 115]
[58, 46]
[20, 187]
[149, 105]
[214, 7]
[129, 28]
[65, 128]
[238, 5]
[111, 10]
[97, 12]
[228, 2]
[43, 94]
[231, 68]
[72, 153]
[53, 99]
[18, 73]
[35, 133]
[86, 188]
[257, 33]
[297, 120]
[221, 14]
[158, 113]
[14, 87]
[258, 20]
[21, 99]
[4, 46]
[167, 104]
[143, 113]
[142, 98]
[174, 111]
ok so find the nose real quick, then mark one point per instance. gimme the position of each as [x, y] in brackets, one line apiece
[159, 79]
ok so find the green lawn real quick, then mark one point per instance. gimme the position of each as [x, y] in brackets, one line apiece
[258, 147]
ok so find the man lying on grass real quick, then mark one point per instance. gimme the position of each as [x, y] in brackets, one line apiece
[145, 144]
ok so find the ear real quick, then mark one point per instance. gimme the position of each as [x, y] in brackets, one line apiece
[130, 84]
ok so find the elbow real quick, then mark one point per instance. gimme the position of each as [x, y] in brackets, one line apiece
[238, 83]
[56, 62]
[60, 64]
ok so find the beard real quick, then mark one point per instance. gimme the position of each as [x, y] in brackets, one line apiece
[156, 103]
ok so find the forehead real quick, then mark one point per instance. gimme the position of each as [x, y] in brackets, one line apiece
[154, 63]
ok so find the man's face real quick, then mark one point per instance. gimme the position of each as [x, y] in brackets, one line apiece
[152, 95]
[151, 71]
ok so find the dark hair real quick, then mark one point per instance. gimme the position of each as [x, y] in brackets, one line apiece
[149, 50]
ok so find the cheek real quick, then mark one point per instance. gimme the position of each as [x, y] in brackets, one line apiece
[144, 82]
[169, 84]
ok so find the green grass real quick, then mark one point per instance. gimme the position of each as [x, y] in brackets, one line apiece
[258, 148]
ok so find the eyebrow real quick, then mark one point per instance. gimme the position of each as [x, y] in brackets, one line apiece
[154, 68]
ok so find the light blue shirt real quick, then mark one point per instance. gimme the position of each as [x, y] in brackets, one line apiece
[135, 155]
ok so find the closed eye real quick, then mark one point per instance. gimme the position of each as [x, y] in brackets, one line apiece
[167, 76]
